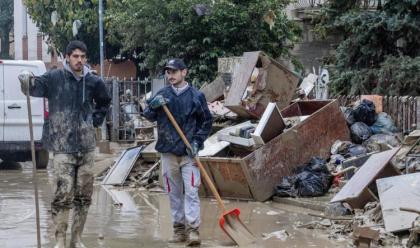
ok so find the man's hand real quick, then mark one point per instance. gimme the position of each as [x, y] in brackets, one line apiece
[26, 80]
[193, 152]
[98, 118]
[157, 102]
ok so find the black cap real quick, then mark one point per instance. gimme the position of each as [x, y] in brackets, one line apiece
[175, 64]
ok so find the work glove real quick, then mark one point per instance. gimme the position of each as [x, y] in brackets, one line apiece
[157, 102]
[26, 80]
[193, 152]
[98, 118]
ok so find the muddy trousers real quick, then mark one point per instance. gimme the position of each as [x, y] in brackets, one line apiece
[182, 180]
[73, 187]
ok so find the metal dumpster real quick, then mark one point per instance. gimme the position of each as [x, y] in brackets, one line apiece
[255, 175]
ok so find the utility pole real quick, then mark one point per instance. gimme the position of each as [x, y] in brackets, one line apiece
[101, 56]
[101, 37]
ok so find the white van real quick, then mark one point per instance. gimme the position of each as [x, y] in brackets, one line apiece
[14, 125]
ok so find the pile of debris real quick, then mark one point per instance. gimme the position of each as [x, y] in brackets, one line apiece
[264, 143]
[132, 170]
[382, 193]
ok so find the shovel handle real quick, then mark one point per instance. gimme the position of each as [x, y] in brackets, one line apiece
[34, 177]
[197, 160]
[417, 211]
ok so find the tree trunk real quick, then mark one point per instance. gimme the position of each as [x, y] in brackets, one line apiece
[4, 53]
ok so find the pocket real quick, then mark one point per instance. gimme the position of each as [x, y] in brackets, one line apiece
[195, 176]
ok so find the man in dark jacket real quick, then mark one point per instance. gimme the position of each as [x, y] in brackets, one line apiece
[181, 175]
[77, 102]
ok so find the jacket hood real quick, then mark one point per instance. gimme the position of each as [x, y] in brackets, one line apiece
[86, 70]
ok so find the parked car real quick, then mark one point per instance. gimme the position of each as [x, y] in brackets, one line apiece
[14, 125]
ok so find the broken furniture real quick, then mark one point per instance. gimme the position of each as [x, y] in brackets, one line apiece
[360, 189]
[364, 236]
[395, 193]
[270, 126]
[255, 175]
[120, 170]
[257, 81]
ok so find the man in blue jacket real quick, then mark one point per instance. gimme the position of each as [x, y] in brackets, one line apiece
[78, 101]
[180, 173]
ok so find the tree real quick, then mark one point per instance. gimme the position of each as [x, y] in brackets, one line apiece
[6, 25]
[200, 31]
[380, 49]
[64, 13]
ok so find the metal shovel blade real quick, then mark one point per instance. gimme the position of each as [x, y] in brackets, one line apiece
[232, 225]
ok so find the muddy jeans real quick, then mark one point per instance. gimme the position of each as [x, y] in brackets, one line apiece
[182, 180]
[73, 181]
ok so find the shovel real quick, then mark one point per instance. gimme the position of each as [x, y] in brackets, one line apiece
[34, 178]
[229, 220]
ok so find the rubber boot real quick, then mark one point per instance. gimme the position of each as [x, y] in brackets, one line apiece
[79, 219]
[193, 238]
[61, 222]
[179, 235]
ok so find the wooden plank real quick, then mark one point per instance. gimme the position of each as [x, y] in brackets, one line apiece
[115, 110]
[396, 192]
[413, 113]
[377, 101]
[354, 192]
[241, 78]
[417, 112]
[400, 113]
[214, 90]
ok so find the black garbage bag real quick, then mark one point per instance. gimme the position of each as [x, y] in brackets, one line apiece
[381, 142]
[348, 115]
[312, 179]
[355, 150]
[360, 132]
[383, 124]
[285, 188]
[365, 112]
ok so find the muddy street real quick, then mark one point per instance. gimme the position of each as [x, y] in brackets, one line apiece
[126, 218]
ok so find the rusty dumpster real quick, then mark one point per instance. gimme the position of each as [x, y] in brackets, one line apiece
[255, 175]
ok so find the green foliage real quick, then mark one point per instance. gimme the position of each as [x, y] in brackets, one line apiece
[6, 25]
[396, 75]
[157, 30]
[379, 51]
[59, 35]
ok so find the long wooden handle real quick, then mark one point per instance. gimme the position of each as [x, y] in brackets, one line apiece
[417, 211]
[34, 177]
[197, 160]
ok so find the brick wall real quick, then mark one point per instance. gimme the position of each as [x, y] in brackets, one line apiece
[25, 47]
[39, 47]
[125, 69]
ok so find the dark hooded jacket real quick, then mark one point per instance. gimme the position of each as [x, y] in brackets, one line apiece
[74, 104]
[191, 112]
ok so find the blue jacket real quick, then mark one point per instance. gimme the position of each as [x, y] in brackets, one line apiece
[192, 114]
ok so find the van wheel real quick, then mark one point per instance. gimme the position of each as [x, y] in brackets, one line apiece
[42, 157]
